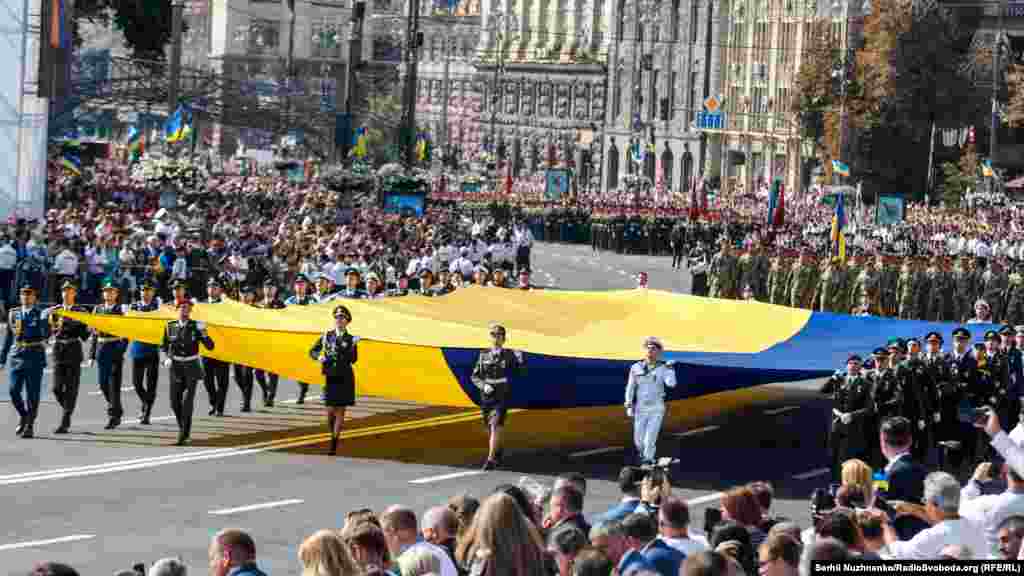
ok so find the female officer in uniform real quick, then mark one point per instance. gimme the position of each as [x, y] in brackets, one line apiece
[491, 375]
[336, 352]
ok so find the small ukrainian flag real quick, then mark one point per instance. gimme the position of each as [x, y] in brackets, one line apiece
[840, 168]
[986, 168]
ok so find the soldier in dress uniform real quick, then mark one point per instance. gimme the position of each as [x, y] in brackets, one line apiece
[645, 398]
[992, 286]
[494, 368]
[336, 352]
[886, 397]
[108, 351]
[145, 357]
[27, 333]
[909, 289]
[216, 373]
[915, 381]
[352, 280]
[864, 287]
[244, 377]
[268, 380]
[849, 435]
[964, 375]
[301, 298]
[180, 343]
[68, 336]
[1014, 373]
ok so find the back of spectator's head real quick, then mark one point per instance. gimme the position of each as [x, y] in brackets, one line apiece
[828, 550]
[763, 492]
[464, 506]
[942, 491]
[640, 527]
[568, 540]
[399, 519]
[630, 478]
[851, 496]
[520, 498]
[791, 529]
[856, 472]
[53, 569]
[839, 524]
[592, 562]
[730, 530]
[575, 479]
[705, 563]
[234, 546]
[325, 554]
[740, 505]
[896, 432]
[371, 538]
[675, 513]
[781, 547]
[441, 522]
[168, 567]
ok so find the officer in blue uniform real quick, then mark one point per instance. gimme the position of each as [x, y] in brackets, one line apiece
[645, 398]
[68, 336]
[216, 373]
[108, 351]
[268, 380]
[301, 298]
[27, 334]
[145, 357]
[244, 375]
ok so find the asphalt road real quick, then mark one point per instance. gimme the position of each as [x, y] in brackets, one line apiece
[104, 500]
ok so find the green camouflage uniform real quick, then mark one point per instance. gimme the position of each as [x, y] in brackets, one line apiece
[778, 281]
[992, 286]
[802, 285]
[831, 294]
[722, 276]
[1014, 300]
[963, 292]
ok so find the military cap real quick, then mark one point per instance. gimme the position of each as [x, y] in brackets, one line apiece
[1006, 330]
[933, 337]
[913, 341]
[880, 352]
[268, 281]
[109, 285]
[426, 272]
[352, 270]
[301, 278]
[896, 343]
[214, 282]
[991, 335]
[854, 358]
[246, 289]
[147, 284]
[342, 312]
[497, 329]
[653, 341]
[68, 285]
[27, 287]
[962, 333]
[179, 283]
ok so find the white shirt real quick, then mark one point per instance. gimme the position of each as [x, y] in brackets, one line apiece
[928, 544]
[648, 384]
[693, 544]
[988, 512]
[447, 566]
[8, 257]
[66, 263]
[524, 237]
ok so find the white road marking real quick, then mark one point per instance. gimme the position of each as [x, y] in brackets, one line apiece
[622, 272]
[776, 411]
[38, 543]
[705, 499]
[264, 506]
[556, 255]
[100, 392]
[451, 476]
[695, 431]
[812, 474]
[595, 451]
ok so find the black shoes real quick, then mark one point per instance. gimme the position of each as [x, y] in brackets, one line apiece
[21, 426]
[213, 410]
[65, 425]
[246, 408]
[27, 433]
[490, 465]
[182, 440]
[146, 412]
[114, 422]
[333, 451]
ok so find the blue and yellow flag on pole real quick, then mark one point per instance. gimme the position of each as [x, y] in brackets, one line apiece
[72, 163]
[179, 126]
[840, 168]
[838, 223]
[986, 168]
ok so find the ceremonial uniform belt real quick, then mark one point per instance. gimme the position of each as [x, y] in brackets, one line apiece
[185, 358]
[108, 340]
[31, 344]
[495, 380]
[65, 340]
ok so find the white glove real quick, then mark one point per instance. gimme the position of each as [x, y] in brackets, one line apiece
[938, 418]
[629, 411]
[356, 339]
[201, 326]
[488, 389]
[88, 363]
[167, 362]
[920, 424]
[993, 400]
[846, 418]
[837, 413]
[518, 354]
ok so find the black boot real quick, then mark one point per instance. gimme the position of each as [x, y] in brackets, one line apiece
[303, 390]
[65, 424]
[114, 422]
[334, 446]
[28, 433]
[22, 420]
[182, 439]
[147, 411]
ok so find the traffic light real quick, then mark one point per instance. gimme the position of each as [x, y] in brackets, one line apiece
[664, 109]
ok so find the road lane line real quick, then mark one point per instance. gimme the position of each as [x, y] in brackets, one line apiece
[695, 432]
[595, 451]
[251, 507]
[777, 411]
[451, 476]
[705, 499]
[123, 389]
[39, 543]
[812, 474]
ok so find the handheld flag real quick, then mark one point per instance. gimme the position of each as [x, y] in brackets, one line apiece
[773, 196]
[840, 168]
[72, 163]
[360, 143]
[838, 223]
[986, 168]
[780, 208]
[776, 204]
[179, 126]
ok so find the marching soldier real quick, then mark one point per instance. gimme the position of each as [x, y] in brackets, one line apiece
[851, 414]
[963, 289]
[888, 278]
[336, 352]
[27, 333]
[964, 374]
[216, 373]
[145, 357]
[915, 381]
[746, 274]
[778, 279]
[491, 376]
[1014, 301]
[268, 380]
[301, 298]
[107, 351]
[992, 285]
[244, 377]
[909, 291]
[645, 398]
[936, 308]
[722, 273]
[804, 280]
[864, 287]
[831, 290]
[181, 345]
[68, 336]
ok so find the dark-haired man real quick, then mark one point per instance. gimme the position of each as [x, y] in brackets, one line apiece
[629, 484]
[904, 476]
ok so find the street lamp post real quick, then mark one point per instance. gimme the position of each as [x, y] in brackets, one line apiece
[503, 25]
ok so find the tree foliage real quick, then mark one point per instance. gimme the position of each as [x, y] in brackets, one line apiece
[1015, 102]
[146, 24]
[959, 177]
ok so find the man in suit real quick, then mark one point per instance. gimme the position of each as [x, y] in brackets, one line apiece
[904, 476]
[964, 369]
[642, 536]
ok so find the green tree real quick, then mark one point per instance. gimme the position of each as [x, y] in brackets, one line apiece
[146, 24]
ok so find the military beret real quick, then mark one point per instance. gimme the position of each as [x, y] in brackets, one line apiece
[351, 270]
[26, 287]
[109, 285]
[991, 335]
[301, 278]
[497, 329]
[342, 312]
[982, 302]
[1006, 330]
[653, 341]
[855, 358]
[961, 333]
[880, 352]
[68, 285]
[372, 276]
[179, 283]
[896, 343]
[933, 337]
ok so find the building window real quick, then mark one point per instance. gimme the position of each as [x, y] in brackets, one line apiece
[327, 40]
[652, 104]
[264, 36]
[686, 176]
[649, 167]
[675, 21]
[619, 77]
[693, 22]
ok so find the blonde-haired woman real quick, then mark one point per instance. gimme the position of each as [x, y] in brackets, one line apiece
[857, 474]
[419, 562]
[501, 541]
[325, 554]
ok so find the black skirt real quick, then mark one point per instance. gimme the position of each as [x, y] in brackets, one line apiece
[340, 388]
